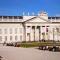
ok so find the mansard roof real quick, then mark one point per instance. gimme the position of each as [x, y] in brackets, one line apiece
[57, 17]
[20, 17]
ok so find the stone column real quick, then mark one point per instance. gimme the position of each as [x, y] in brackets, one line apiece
[40, 32]
[32, 34]
[45, 32]
[35, 33]
[2, 18]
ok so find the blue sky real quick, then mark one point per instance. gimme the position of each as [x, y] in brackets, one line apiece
[17, 7]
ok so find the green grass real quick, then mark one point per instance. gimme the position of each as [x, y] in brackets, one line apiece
[37, 44]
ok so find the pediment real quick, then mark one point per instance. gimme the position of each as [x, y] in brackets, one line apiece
[36, 19]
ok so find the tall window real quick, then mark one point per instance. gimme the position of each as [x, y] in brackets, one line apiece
[20, 30]
[15, 17]
[5, 30]
[16, 37]
[15, 30]
[10, 30]
[0, 31]
[5, 38]
[4, 17]
[0, 38]
[10, 37]
[21, 37]
[33, 27]
[0, 18]
[10, 17]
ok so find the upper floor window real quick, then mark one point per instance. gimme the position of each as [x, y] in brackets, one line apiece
[0, 31]
[10, 37]
[0, 38]
[16, 37]
[28, 26]
[43, 26]
[20, 30]
[10, 30]
[5, 38]
[15, 17]
[16, 30]
[4, 17]
[5, 30]
[0, 17]
[21, 37]
[33, 27]
[20, 17]
[38, 27]
[10, 17]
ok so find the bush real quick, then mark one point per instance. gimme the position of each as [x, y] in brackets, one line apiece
[29, 44]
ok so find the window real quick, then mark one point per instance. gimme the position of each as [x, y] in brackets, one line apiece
[15, 30]
[4, 17]
[33, 27]
[43, 26]
[0, 31]
[5, 38]
[20, 30]
[38, 27]
[10, 17]
[20, 17]
[15, 17]
[20, 37]
[0, 17]
[46, 29]
[5, 30]
[15, 37]
[10, 37]
[28, 26]
[0, 38]
[10, 30]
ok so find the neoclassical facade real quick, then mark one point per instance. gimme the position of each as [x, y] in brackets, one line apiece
[29, 28]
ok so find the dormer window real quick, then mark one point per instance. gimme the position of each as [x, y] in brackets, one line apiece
[10, 17]
[4, 17]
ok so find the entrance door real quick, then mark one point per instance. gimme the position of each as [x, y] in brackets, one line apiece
[28, 36]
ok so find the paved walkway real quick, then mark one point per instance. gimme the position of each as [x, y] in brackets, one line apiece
[15, 53]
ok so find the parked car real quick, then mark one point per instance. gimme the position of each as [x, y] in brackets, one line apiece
[9, 44]
[54, 48]
[42, 47]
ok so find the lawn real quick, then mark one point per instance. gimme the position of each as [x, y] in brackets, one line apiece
[37, 44]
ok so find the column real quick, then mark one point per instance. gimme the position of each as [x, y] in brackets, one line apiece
[37, 33]
[40, 32]
[32, 34]
[2, 18]
[45, 33]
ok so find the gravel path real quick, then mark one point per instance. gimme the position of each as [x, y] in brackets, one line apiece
[18, 53]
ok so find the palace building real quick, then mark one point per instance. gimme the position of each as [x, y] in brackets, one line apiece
[29, 28]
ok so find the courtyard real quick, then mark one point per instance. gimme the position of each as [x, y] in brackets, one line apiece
[19, 53]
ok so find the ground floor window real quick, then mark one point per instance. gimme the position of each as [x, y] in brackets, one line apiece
[21, 38]
[10, 37]
[5, 38]
[0, 38]
[16, 37]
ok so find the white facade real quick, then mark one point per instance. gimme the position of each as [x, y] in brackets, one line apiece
[29, 28]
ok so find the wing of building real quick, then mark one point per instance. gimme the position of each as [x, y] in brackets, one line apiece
[29, 28]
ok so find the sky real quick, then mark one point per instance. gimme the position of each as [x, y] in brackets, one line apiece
[17, 7]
